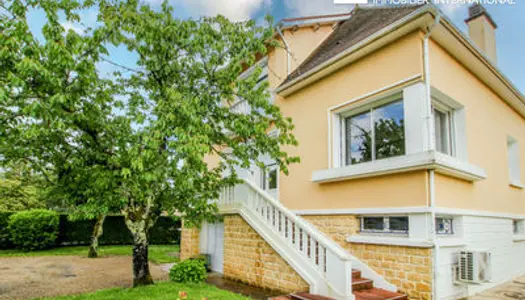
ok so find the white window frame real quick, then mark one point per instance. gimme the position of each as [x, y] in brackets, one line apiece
[450, 124]
[452, 224]
[368, 107]
[386, 225]
[513, 158]
[265, 184]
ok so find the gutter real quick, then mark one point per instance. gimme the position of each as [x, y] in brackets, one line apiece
[287, 47]
[431, 146]
[361, 44]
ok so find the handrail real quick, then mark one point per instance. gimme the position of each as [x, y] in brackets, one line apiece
[318, 235]
[325, 263]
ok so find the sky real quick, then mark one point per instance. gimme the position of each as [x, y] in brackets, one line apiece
[509, 18]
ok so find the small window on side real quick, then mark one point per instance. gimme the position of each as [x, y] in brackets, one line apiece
[444, 226]
[513, 153]
[392, 224]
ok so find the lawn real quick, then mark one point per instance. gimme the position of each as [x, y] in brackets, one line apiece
[161, 290]
[158, 254]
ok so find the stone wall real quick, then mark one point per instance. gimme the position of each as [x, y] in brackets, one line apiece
[189, 242]
[250, 259]
[409, 268]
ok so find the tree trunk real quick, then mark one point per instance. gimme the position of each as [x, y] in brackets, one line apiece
[97, 233]
[141, 274]
[139, 223]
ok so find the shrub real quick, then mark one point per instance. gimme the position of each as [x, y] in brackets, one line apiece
[34, 229]
[5, 240]
[189, 271]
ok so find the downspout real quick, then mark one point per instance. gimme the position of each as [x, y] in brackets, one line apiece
[431, 146]
[287, 47]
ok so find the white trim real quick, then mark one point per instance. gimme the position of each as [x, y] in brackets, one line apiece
[364, 211]
[378, 93]
[519, 238]
[449, 242]
[476, 213]
[383, 240]
[263, 63]
[440, 211]
[429, 160]
[294, 85]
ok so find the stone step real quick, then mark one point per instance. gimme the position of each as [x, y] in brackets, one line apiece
[360, 284]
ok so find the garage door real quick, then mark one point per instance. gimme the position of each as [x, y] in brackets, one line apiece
[212, 243]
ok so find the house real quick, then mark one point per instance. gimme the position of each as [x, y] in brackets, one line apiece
[411, 181]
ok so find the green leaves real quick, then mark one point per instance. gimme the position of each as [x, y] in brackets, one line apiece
[137, 142]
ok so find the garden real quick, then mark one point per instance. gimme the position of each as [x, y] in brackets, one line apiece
[95, 163]
[45, 254]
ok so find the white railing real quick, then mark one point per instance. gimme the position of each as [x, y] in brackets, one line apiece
[330, 262]
[241, 107]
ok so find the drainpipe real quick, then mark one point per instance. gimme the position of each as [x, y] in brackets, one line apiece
[287, 47]
[431, 146]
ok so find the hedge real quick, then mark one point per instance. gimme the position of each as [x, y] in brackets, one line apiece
[165, 231]
[35, 229]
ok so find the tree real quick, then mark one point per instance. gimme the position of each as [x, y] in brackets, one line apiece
[20, 189]
[137, 142]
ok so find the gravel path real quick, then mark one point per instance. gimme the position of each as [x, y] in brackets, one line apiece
[45, 276]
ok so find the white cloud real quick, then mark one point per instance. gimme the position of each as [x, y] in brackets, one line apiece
[235, 10]
[300, 8]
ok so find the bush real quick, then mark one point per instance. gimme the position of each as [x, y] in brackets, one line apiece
[189, 271]
[5, 239]
[34, 229]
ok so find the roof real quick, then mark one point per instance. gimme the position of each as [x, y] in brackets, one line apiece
[362, 23]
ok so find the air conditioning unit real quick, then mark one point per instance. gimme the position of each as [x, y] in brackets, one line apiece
[475, 266]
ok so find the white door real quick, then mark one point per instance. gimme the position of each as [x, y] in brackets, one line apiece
[212, 243]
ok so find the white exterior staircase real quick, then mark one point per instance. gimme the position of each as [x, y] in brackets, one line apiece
[324, 264]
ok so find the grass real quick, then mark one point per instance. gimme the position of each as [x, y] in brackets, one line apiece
[161, 290]
[158, 254]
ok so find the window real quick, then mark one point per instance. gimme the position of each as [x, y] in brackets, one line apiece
[444, 226]
[518, 227]
[270, 177]
[514, 162]
[443, 131]
[375, 134]
[393, 224]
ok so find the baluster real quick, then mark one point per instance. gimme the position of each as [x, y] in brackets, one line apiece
[304, 241]
[297, 237]
[290, 231]
[313, 250]
[321, 258]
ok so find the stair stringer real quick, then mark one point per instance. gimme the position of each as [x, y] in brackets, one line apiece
[366, 270]
[318, 284]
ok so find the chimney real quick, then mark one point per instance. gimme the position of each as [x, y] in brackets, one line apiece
[482, 30]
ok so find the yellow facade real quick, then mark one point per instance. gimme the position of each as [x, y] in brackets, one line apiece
[489, 121]
[309, 109]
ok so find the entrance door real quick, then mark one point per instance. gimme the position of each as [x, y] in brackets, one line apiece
[212, 243]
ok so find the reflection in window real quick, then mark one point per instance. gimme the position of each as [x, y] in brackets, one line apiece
[391, 224]
[386, 138]
[272, 179]
[442, 132]
[444, 226]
